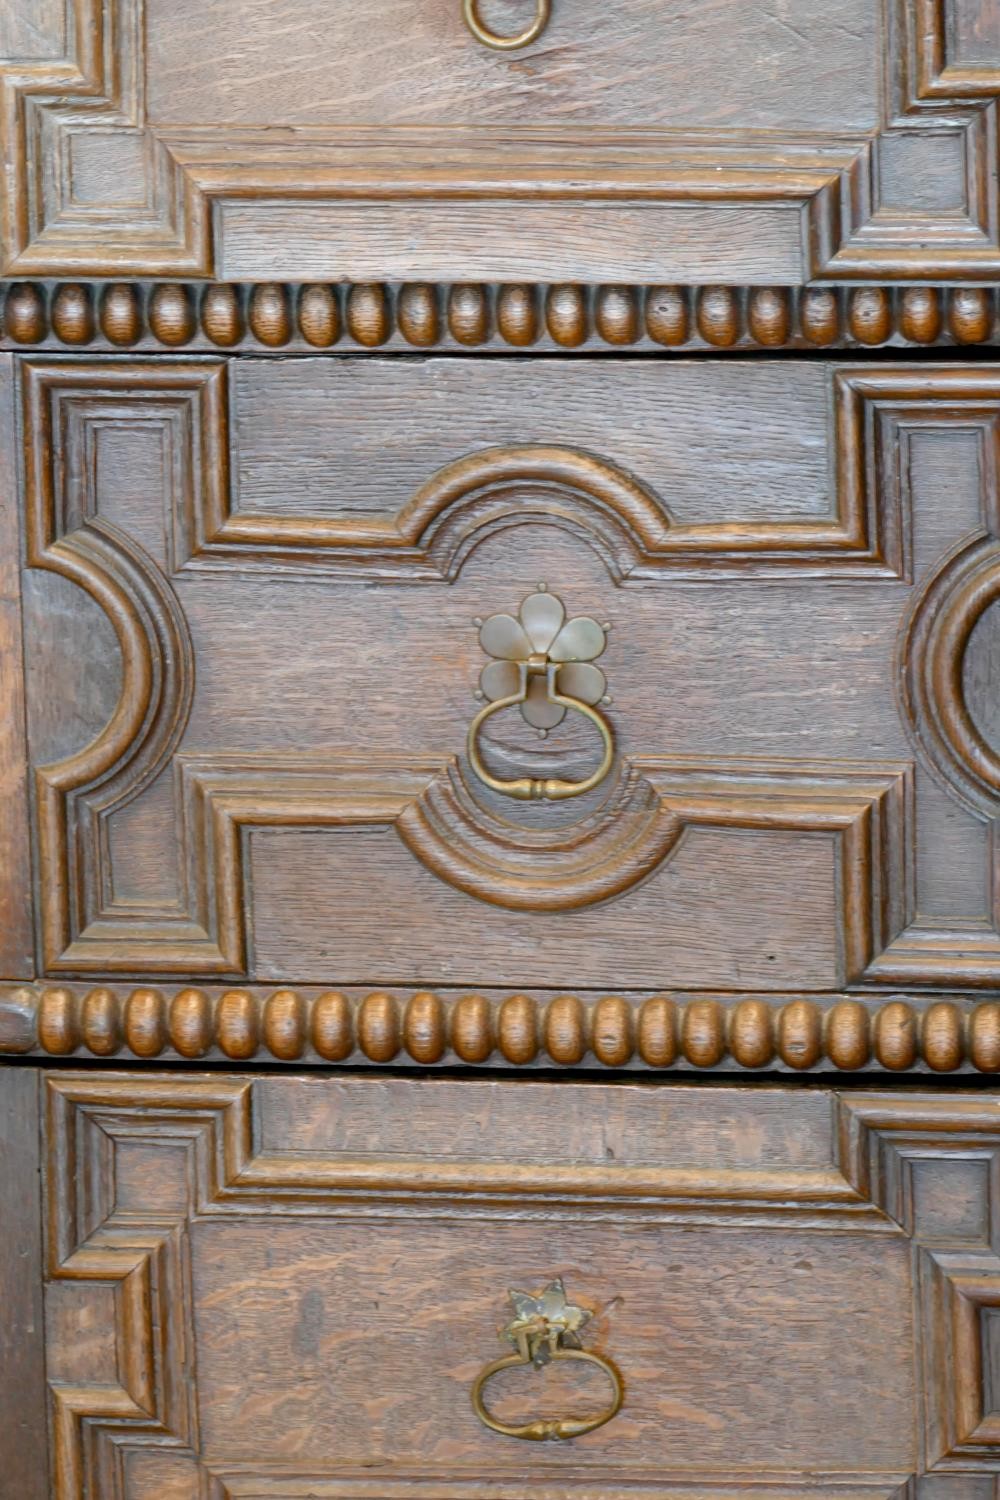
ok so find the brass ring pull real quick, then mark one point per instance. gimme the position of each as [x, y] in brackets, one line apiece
[543, 664]
[545, 1331]
[470, 10]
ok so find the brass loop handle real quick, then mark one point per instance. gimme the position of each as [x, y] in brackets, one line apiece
[543, 1429]
[470, 10]
[528, 788]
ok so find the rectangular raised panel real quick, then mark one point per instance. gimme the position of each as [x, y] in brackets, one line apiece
[245, 718]
[266, 1286]
[785, 140]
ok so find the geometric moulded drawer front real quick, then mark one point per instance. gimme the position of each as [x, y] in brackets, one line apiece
[274, 1291]
[248, 616]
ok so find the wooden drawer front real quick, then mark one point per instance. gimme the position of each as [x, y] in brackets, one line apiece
[640, 140]
[248, 615]
[260, 1288]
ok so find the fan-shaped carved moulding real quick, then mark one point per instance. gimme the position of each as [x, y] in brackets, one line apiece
[215, 795]
[859, 150]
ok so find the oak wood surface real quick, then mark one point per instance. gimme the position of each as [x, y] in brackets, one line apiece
[16, 940]
[23, 1403]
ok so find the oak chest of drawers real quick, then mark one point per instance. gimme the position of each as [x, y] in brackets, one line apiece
[500, 752]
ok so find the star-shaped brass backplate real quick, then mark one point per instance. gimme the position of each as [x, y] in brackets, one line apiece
[543, 1322]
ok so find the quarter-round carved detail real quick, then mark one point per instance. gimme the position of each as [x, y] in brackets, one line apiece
[869, 315]
[368, 316]
[319, 316]
[517, 315]
[566, 315]
[930, 668]
[121, 315]
[946, 1035]
[419, 322]
[269, 316]
[667, 318]
[171, 317]
[819, 316]
[719, 316]
[468, 314]
[73, 314]
[221, 316]
[768, 316]
[920, 314]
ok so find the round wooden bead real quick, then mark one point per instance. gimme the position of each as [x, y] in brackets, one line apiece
[984, 1037]
[145, 1023]
[896, 1036]
[611, 1031]
[848, 1040]
[425, 1028]
[58, 1033]
[920, 314]
[100, 1023]
[472, 1029]
[171, 319]
[703, 1033]
[869, 315]
[566, 315]
[191, 1023]
[819, 316]
[751, 1033]
[332, 1030]
[657, 1032]
[667, 318]
[616, 315]
[941, 1036]
[800, 1034]
[378, 1027]
[24, 313]
[319, 316]
[566, 1030]
[417, 313]
[121, 315]
[369, 321]
[970, 315]
[221, 315]
[468, 314]
[269, 316]
[73, 313]
[719, 316]
[236, 1024]
[517, 1029]
[517, 315]
[285, 1025]
[768, 316]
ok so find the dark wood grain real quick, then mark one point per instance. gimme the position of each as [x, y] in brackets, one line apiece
[23, 1404]
[16, 939]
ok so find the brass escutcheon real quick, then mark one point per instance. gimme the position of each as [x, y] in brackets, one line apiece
[543, 664]
[470, 10]
[545, 1329]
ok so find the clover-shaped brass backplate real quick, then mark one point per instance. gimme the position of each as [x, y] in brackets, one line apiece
[542, 634]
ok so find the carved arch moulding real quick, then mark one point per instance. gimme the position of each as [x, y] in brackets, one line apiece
[198, 551]
[105, 174]
[171, 1171]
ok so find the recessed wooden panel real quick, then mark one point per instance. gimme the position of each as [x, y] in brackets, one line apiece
[791, 563]
[746, 144]
[316, 1288]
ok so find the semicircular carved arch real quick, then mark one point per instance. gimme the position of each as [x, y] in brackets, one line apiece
[931, 664]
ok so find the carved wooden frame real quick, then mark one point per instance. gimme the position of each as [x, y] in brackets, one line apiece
[91, 1119]
[191, 177]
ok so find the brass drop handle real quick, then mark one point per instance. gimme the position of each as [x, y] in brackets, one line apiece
[545, 1330]
[543, 664]
[470, 10]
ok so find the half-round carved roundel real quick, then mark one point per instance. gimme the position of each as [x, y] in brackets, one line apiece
[930, 670]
